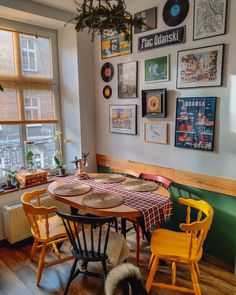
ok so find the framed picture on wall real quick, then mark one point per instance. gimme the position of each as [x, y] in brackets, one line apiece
[156, 132]
[154, 103]
[157, 69]
[200, 67]
[195, 123]
[209, 18]
[149, 17]
[114, 44]
[123, 119]
[127, 80]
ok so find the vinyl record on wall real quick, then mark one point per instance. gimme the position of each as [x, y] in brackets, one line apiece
[107, 92]
[107, 72]
[175, 12]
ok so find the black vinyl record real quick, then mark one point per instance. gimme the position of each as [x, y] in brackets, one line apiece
[175, 12]
[107, 92]
[107, 72]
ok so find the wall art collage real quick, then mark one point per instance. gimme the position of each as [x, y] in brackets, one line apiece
[197, 67]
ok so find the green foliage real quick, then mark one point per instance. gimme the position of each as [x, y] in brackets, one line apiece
[58, 162]
[29, 158]
[11, 175]
[105, 15]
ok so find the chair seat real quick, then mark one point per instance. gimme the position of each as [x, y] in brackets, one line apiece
[174, 245]
[56, 226]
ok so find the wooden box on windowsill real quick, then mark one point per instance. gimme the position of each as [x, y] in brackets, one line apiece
[32, 178]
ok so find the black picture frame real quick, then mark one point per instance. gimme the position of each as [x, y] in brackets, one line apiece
[208, 19]
[128, 80]
[154, 103]
[202, 75]
[195, 123]
[149, 17]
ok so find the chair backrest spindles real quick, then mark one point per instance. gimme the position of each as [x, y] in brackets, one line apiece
[88, 241]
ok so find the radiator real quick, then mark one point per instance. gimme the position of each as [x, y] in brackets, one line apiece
[16, 225]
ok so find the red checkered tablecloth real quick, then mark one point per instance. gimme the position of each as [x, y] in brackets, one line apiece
[155, 208]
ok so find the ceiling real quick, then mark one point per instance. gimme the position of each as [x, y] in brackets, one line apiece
[68, 5]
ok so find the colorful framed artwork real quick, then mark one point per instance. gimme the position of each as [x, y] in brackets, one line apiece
[195, 123]
[149, 17]
[156, 132]
[201, 67]
[157, 69]
[209, 18]
[123, 119]
[154, 103]
[128, 80]
[114, 44]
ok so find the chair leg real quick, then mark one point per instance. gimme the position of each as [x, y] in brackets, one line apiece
[41, 263]
[151, 261]
[194, 276]
[152, 273]
[72, 271]
[173, 273]
[34, 249]
[197, 268]
[104, 267]
[137, 227]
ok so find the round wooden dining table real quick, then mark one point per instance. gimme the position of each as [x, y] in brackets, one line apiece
[122, 210]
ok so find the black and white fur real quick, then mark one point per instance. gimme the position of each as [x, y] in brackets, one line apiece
[125, 279]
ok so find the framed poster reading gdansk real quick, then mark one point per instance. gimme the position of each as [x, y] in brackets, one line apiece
[195, 123]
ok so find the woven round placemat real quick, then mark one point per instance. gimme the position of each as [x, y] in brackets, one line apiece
[109, 178]
[141, 186]
[70, 190]
[102, 200]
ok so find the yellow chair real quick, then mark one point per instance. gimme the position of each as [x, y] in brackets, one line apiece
[47, 231]
[183, 247]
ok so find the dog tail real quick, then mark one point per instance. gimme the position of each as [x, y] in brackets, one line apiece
[125, 279]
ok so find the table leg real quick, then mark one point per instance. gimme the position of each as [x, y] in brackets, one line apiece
[142, 225]
[123, 227]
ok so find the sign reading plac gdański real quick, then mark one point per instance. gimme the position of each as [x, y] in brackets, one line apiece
[161, 39]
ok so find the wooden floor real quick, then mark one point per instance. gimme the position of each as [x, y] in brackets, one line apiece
[17, 275]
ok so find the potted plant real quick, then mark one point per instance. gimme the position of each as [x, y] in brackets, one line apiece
[30, 162]
[11, 180]
[60, 166]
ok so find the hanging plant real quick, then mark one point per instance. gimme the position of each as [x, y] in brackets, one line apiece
[100, 15]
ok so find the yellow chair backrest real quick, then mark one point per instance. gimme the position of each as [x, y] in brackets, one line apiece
[198, 228]
[36, 213]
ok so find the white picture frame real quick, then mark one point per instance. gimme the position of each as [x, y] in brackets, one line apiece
[123, 119]
[156, 132]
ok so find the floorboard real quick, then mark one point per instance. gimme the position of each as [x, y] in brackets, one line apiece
[17, 274]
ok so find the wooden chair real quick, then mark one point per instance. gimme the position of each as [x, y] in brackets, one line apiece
[47, 231]
[88, 245]
[161, 180]
[183, 247]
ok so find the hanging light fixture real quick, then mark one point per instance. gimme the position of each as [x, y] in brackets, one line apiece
[99, 15]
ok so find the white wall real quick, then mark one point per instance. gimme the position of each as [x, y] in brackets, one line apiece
[221, 162]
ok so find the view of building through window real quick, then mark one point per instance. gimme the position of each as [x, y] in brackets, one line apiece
[28, 99]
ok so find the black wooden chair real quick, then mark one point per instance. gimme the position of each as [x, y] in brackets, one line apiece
[89, 239]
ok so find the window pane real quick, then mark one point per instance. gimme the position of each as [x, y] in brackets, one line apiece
[10, 149]
[43, 147]
[6, 53]
[41, 103]
[38, 52]
[9, 105]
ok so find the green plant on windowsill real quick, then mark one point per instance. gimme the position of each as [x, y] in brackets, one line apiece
[30, 162]
[11, 180]
[60, 166]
